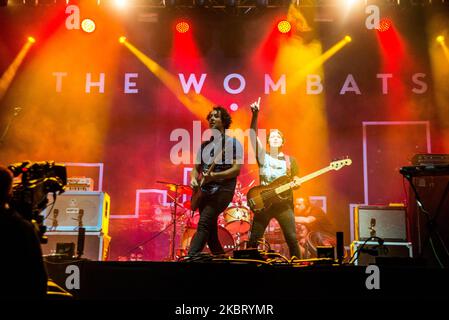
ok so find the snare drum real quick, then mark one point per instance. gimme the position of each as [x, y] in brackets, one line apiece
[238, 219]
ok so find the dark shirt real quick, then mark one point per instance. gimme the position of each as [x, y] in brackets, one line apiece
[322, 222]
[232, 151]
[22, 268]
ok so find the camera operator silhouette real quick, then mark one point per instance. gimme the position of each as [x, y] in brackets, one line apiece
[22, 269]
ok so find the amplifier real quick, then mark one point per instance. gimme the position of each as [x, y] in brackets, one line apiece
[371, 250]
[427, 159]
[386, 222]
[96, 244]
[91, 208]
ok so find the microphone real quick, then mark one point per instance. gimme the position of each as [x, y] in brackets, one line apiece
[55, 218]
[371, 228]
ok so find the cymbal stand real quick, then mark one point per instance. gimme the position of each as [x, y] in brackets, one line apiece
[173, 239]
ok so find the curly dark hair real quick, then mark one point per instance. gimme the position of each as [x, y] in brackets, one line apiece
[6, 180]
[224, 115]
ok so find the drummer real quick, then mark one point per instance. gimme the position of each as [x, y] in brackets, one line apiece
[310, 218]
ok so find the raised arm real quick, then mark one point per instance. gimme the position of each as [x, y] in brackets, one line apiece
[255, 141]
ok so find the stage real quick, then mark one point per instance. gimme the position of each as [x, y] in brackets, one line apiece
[105, 107]
[237, 282]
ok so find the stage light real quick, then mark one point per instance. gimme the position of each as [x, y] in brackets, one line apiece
[182, 27]
[284, 26]
[440, 39]
[384, 24]
[31, 40]
[350, 3]
[120, 3]
[262, 3]
[231, 3]
[348, 39]
[200, 3]
[88, 25]
[122, 39]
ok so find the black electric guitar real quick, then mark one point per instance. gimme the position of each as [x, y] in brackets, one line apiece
[198, 193]
[263, 197]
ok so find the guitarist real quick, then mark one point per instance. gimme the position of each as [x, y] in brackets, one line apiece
[218, 186]
[273, 163]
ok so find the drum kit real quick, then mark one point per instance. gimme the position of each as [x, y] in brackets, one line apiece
[233, 225]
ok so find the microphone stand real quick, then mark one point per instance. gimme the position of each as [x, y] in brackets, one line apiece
[174, 213]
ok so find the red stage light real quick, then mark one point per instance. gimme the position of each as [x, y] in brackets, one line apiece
[284, 26]
[88, 25]
[182, 27]
[384, 24]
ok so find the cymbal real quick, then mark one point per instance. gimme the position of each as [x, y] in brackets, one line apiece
[181, 188]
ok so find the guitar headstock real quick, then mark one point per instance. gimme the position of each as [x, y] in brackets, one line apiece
[338, 164]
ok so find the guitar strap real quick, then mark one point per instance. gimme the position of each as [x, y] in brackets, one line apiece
[289, 165]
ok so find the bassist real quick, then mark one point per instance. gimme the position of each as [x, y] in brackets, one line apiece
[216, 185]
[273, 164]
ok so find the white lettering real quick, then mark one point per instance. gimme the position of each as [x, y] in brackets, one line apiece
[350, 85]
[269, 84]
[416, 80]
[192, 81]
[59, 76]
[314, 85]
[228, 79]
[90, 83]
[129, 86]
[384, 77]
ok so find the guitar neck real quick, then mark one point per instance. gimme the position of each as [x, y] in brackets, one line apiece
[308, 177]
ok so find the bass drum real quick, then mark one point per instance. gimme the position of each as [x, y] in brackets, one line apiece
[238, 219]
[224, 236]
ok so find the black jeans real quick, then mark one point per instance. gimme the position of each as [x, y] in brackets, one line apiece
[283, 213]
[207, 232]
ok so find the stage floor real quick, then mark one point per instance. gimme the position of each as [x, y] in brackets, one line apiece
[214, 282]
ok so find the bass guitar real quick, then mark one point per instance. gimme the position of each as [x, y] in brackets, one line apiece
[263, 197]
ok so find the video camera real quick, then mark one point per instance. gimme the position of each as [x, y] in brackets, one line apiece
[30, 195]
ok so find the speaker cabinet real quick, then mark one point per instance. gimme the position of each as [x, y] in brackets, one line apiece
[96, 244]
[71, 208]
[433, 192]
[386, 222]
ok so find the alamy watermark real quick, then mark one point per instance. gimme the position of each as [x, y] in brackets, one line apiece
[187, 148]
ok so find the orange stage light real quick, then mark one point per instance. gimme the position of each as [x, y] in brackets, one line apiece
[284, 26]
[88, 25]
[182, 27]
[384, 24]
